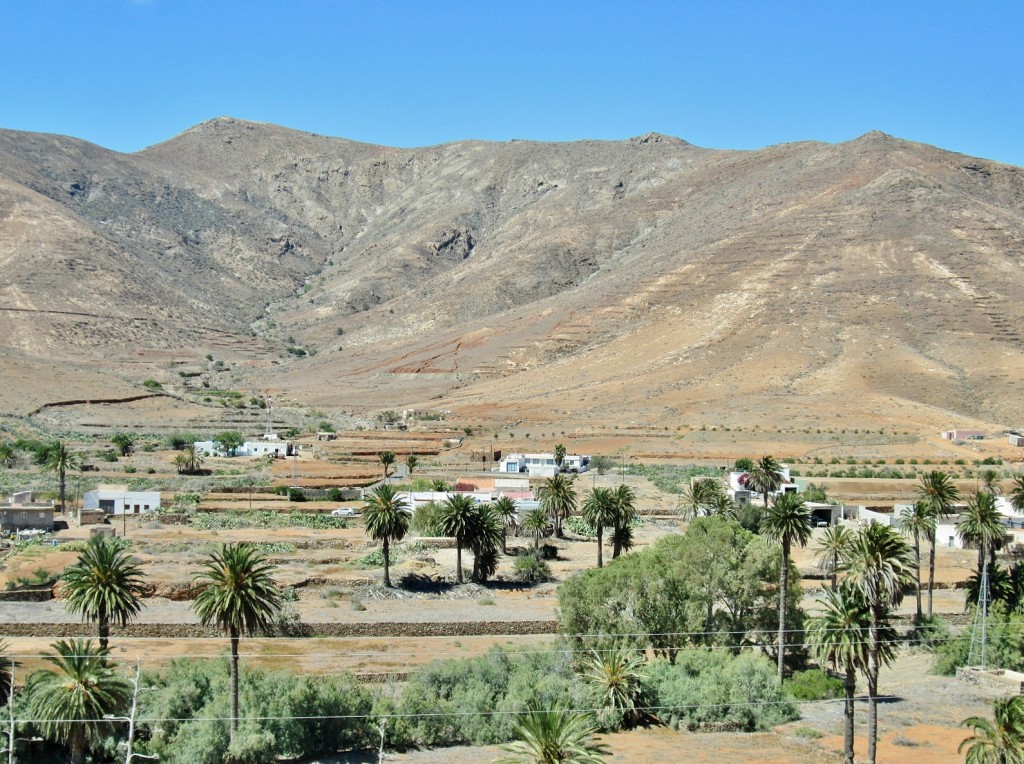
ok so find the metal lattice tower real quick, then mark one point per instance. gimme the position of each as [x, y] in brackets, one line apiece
[979, 631]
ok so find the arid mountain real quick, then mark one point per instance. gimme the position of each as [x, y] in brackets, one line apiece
[649, 280]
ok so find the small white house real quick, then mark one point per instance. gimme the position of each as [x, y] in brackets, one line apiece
[416, 499]
[543, 465]
[118, 500]
[275, 448]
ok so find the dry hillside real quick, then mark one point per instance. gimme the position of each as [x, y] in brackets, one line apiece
[648, 280]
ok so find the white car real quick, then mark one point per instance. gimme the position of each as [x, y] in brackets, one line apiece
[344, 512]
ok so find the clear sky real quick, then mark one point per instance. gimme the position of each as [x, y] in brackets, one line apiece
[129, 73]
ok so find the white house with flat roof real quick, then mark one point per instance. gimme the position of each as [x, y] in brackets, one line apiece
[542, 465]
[118, 500]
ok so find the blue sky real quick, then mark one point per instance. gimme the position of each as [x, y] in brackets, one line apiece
[129, 73]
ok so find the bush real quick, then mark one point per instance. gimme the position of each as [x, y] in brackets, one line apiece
[296, 494]
[530, 568]
[548, 552]
[716, 691]
[426, 520]
[152, 384]
[334, 494]
[814, 684]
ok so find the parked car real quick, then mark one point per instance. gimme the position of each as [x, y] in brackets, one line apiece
[344, 512]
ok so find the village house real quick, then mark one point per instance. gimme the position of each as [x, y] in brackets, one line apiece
[962, 435]
[543, 465]
[20, 512]
[118, 500]
[276, 448]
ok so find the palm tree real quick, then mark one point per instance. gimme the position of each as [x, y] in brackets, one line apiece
[989, 481]
[835, 541]
[180, 463]
[193, 458]
[6, 674]
[555, 735]
[455, 518]
[240, 595]
[787, 521]
[104, 585]
[936, 489]
[625, 515]
[410, 462]
[980, 525]
[840, 636]
[722, 505]
[536, 520]
[71, 699]
[700, 498]
[486, 534]
[60, 459]
[1017, 493]
[918, 523]
[1000, 741]
[599, 510]
[766, 477]
[506, 510]
[559, 455]
[880, 565]
[617, 678]
[557, 498]
[386, 519]
[386, 458]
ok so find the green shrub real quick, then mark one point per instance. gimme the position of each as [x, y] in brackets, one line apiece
[334, 494]
[152, 384]
[296, 494]
[530, 568]
[814, 684]
[426, 520]
[717, 691]
[548, 552]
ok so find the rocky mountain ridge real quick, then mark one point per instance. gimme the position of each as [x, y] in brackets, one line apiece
[646, 279]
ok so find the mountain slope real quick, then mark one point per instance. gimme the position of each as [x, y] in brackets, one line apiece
[646, 279]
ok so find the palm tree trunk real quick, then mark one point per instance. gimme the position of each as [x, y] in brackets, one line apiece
[504, 541]
[104, 624]
[63, 475]
[835, 570]
[616, 545]
[917, 570]
[387, 566]
[783, 585]
[600, 554]
[458, 560]
[76, 742]
[931, 574]
[234, 683]
[536, 539]
[850, 686]
[873, 690]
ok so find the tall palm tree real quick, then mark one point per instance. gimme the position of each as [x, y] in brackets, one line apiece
[386, 458]
[554, 735]
[981, 525]
[455, 518]
[71, 699]
[486, 534]
[787, 521]
[918, 523]
[599, 510]
[239, 595]
[625, 515]
[506, 510]
[766, 477]
[104, 585]
[938, 491]
[60, 459]
[410, 462]
[558, 498]
[880, 565]
[386, 519]
[536, 520]
[1000, 741]
[832, 548]
[840, 636]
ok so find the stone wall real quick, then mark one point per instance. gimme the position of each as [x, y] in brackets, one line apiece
[379, 629]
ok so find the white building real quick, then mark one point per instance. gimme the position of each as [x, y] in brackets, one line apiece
[739, 483]
[278, 448]
[416, 499]
[118, 500]
[543, 465]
